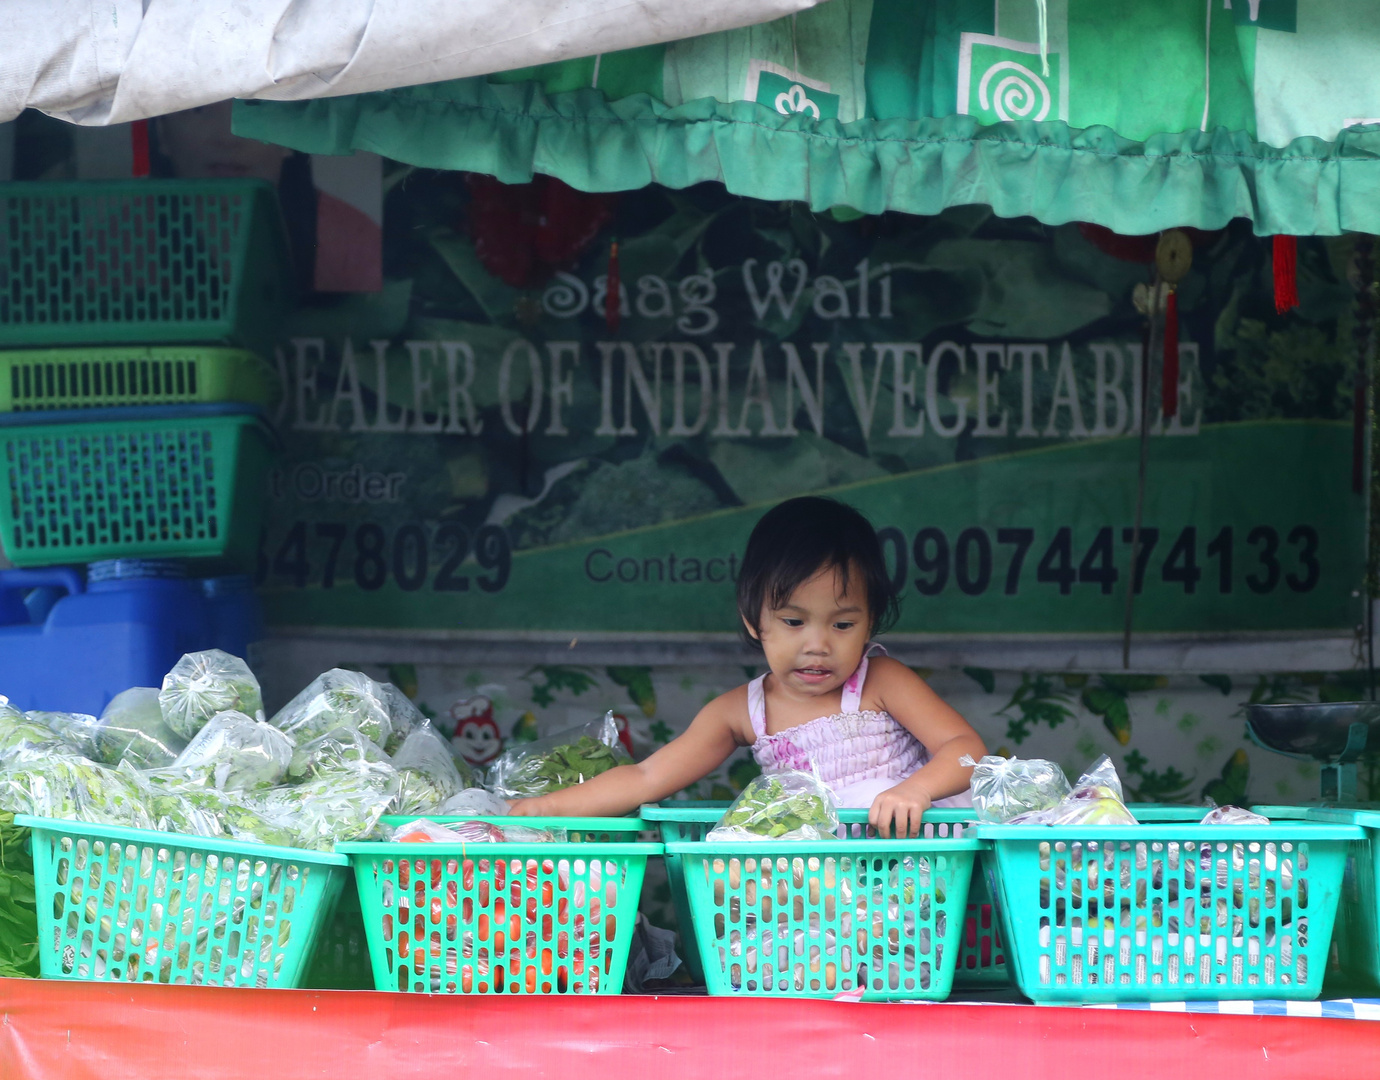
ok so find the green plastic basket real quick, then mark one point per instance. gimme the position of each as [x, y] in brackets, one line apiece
[1167, 911]
[981, 961]
[178, 481]
[132, 905]
[538, 918]
[129, 375]
[821, 918]
[1354, 960]
[142, 262]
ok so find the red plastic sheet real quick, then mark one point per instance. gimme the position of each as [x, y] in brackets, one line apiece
[85, 1031]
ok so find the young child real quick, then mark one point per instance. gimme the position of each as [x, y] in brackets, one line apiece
[812, 590]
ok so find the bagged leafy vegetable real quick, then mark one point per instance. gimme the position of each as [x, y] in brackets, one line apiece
[337, 698]
[1005, 787]
[234, 752]
[202, 684]
[787, 805]
[427, 772]
[19, 730]
[332, 807]
[1095, 800]
[404, 716]
[474, 801]
[132, 729]
[78, 730]
[66, 786]
[343, 748]
[560, 761]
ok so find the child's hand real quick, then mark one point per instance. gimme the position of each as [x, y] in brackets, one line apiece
[905, 805]
[525, 808]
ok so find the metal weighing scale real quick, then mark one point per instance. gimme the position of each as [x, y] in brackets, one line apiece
[1334, 734]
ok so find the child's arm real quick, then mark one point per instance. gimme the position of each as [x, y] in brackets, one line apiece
[705, 745]
[944, 733]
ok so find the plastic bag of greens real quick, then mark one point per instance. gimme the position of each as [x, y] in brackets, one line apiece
[332, 807]
[132, 728]
[43, 785]
[342, 748]
[1233, 815]
[235, 753]
[19, 730]
[787, 805]
[427, 772]
[78, 730]
[402, 714]
[474, 801]
[202, 684]
[1005, 787]
[1095, 800]
[337, 698]
[559, 761]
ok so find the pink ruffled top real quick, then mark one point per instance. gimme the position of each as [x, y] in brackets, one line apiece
[858, 752]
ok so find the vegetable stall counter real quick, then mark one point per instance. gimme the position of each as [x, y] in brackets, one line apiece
[53, 1030]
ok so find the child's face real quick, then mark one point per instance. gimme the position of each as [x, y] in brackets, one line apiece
[817, 639]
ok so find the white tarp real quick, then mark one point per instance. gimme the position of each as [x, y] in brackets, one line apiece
[109, 61]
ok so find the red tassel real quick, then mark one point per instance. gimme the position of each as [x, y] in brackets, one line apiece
[1169, 387]
[1286, 258]
[613, 298]
[139, 145]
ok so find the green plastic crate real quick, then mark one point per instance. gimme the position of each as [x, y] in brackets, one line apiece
[504, 918]
[131, 375]
[981, 960]
[133, 905]
[142, 262]
[1354, 960]
[821, 918]
[176, 481]
[1108, 913]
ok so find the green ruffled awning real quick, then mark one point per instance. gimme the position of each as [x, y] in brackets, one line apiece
[668, 115]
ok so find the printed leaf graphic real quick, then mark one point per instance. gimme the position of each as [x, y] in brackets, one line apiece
[1112, 707]
[638, 682]
[983, 677]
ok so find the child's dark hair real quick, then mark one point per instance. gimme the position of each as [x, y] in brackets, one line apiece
[796, 540]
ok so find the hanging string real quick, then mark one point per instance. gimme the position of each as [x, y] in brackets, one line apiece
[1207, 66]
[139, 147]
[613, 299]
[1169, 383]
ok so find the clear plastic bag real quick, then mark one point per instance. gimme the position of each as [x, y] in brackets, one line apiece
[332, 807]
[1233, 815]
[337, 698]
[20, 730]
[132, 728]
[343, 748]
[202, 684]
[787, 805]
[403, 714]
[66, 786]
[1095, 800]
[78, 730]
[476, 801]
[559, 761]
[1005, 787]
[426, 771]
[422, 831]
[235, 752]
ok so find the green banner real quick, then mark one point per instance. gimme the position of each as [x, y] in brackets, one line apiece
[466, 455]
